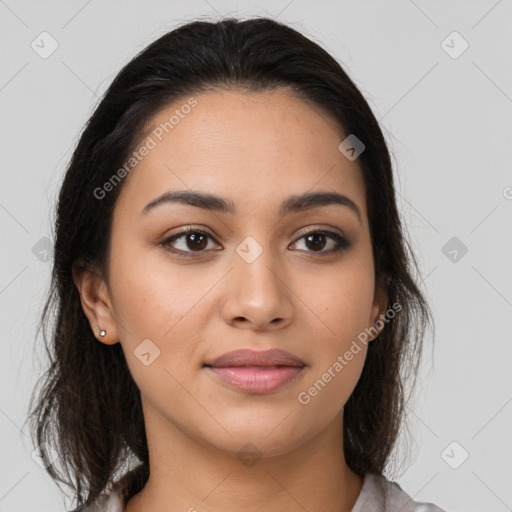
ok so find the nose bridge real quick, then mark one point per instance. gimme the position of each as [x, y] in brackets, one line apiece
[256, 289]
[257, 265]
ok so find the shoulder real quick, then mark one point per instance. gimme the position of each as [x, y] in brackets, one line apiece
[382, 495]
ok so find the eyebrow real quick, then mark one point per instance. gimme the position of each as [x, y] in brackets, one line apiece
[293, 204]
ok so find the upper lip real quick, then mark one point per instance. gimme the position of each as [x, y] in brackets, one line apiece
[247, 357]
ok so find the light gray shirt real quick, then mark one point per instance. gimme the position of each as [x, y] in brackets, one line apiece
[377, 495]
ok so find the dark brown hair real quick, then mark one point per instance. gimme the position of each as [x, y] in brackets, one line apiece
[89, 408]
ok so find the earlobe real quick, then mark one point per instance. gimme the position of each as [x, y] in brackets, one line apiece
[96, 303]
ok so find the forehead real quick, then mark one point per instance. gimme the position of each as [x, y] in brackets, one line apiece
[255, 148]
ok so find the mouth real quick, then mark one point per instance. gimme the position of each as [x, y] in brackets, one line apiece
[248, 357]
[254, 372]
[255, 379]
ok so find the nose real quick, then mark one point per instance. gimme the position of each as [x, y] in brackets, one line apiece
[257, 294]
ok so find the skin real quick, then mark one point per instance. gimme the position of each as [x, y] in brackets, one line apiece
[255, 149]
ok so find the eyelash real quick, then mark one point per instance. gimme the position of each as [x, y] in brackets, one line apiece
[342, 242]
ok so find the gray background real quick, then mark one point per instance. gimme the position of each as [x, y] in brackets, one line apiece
[447, 120]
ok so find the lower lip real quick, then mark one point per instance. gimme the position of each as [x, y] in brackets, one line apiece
[256, 380]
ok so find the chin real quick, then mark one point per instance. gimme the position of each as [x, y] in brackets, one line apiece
[266, 439]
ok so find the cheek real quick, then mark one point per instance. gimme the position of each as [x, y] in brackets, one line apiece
[343, 301]
[157, 317]
[327, 390]
[152, 295]
[339, 351]
[166, 303]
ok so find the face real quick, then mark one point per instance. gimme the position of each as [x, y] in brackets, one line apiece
[257, 277]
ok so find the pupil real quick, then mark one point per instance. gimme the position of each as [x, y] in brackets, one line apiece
[316, 236]
[195, 237]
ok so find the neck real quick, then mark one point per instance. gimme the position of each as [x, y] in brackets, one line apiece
[191, 476]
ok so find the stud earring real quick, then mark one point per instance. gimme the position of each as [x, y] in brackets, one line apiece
[102, 332]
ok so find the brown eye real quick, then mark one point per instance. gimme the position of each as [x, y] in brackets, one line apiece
[315, 241]
[191, 240]
[196, 241]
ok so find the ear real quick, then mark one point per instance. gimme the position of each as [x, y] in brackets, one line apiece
[95, 302]
[380, 300]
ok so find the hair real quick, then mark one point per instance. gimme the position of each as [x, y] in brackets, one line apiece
[88, 408]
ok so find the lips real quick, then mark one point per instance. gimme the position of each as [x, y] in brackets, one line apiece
[246, 357]
[255, 372]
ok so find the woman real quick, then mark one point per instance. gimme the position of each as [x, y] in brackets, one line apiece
[236, 316]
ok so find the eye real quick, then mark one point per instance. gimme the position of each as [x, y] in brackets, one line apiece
[192, 238]
[316, 239]
[197, 240]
